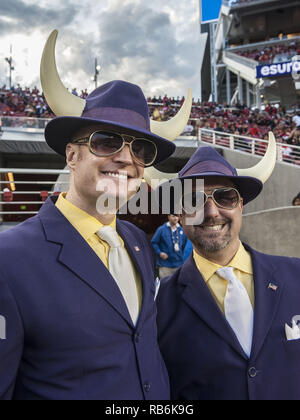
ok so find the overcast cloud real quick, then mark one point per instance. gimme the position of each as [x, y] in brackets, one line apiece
[155, 46]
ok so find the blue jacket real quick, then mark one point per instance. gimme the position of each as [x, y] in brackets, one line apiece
[69, 332]
[162, 242]
[203, 356]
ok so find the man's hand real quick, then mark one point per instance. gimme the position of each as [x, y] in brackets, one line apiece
[164, 256]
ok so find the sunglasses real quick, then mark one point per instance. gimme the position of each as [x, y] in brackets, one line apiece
[106, 143]
[226, 198]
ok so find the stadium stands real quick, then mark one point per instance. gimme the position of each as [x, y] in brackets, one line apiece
[272, 54]
[238, 120]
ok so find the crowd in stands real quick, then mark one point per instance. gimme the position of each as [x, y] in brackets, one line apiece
[18, 102]
[272, 54]
[238, 120]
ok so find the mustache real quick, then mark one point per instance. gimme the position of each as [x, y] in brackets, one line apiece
[209, 221]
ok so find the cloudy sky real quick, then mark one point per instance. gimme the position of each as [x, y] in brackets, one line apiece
[152, 43]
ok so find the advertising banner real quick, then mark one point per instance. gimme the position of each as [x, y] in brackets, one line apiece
[278, 69]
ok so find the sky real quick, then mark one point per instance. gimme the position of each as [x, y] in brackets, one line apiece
[154, 44]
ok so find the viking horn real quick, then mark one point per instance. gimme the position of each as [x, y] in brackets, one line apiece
[263, 170]
[175, 126]
[170, 130]
[152, 173]
[64, 103]
[60, 100]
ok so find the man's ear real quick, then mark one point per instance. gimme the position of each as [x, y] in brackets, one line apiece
[242, 204]
[71, 155]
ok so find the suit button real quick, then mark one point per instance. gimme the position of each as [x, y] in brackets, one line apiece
[253, 372]
[137, 337]
[147, 387]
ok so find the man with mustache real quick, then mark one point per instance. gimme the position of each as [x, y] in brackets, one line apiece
[225, 317]
[77, 286]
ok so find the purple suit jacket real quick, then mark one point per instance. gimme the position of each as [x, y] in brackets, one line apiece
[203, 356]
[69, 333]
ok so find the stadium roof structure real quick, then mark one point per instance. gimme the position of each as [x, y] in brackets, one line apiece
[251, 56]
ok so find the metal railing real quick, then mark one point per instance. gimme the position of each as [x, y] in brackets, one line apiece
[285, 152]
[264, 44]
[23, 123]
[23, 191]
[248, 62]
[23, 198]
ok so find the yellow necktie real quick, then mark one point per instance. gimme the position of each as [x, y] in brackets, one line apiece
[121, 269]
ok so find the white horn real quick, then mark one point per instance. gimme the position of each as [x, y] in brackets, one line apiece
[171, 129]
[60, 100]
[264, 169]
[152, 174]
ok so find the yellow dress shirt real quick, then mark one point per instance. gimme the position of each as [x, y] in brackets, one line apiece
[88, 227]
[243, 270]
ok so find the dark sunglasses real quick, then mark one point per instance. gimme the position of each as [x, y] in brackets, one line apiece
[106, 143]
[226, 198]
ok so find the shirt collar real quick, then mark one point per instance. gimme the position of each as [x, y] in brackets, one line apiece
[169, 225]
[241, 261]
[84, 223]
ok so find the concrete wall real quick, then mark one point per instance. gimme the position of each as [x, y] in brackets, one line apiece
[274, 232]
[278, 191]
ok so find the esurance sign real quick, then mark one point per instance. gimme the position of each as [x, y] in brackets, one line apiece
[278, 69]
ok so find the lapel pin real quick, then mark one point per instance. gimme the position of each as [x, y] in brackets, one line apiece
[273, 287]
[137, 249]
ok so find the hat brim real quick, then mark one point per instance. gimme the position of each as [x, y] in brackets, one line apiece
[60, 130]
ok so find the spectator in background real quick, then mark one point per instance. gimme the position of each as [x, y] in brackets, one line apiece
[296, 201]
[254, 131]
[169, 243]
[294, 140]
[296, 119]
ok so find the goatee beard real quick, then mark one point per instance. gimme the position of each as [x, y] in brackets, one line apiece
[212, 244]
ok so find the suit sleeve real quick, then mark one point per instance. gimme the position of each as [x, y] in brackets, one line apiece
[156, 241]
[11, 341]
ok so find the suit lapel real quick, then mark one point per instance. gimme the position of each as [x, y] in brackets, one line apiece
[266, 298]
[77, 256]
[198, 296]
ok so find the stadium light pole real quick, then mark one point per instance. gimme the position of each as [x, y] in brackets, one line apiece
[97, 72]
[214, 81]
[11, 67]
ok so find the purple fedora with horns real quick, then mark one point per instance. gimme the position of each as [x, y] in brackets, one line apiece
[117, 105]
[207, 162]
